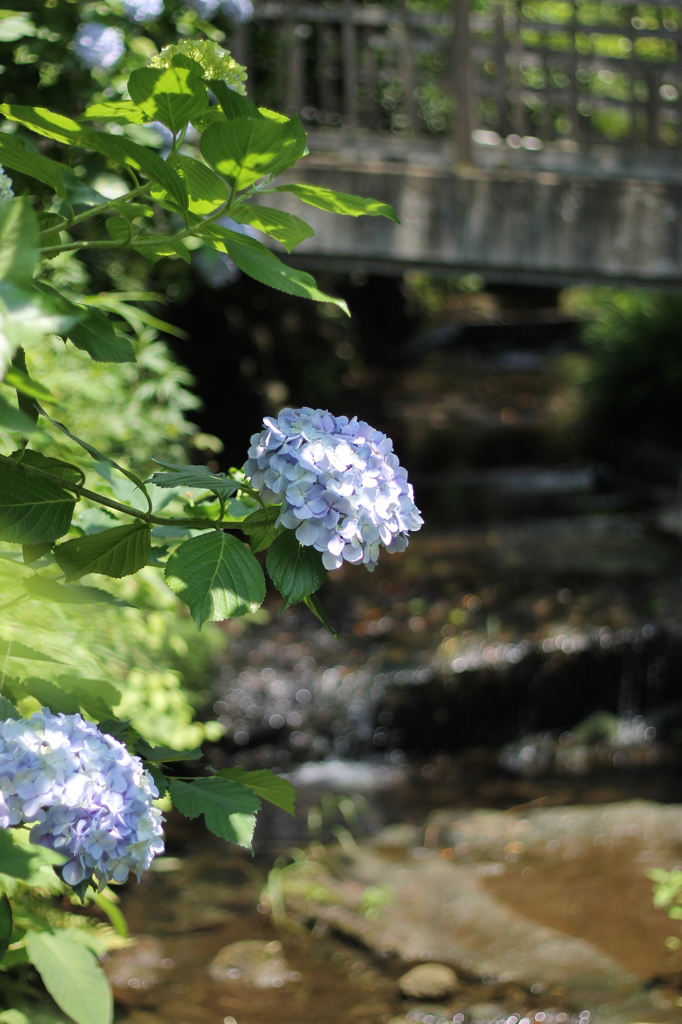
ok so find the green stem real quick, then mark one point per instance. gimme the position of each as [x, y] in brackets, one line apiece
[95, 210]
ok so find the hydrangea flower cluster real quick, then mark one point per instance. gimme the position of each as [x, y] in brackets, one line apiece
[238, 10]
[143, 10]
[6, 190]
[342, 488]
[89, 798]
[97, 45]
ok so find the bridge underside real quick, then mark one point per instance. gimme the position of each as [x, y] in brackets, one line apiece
[511, 226]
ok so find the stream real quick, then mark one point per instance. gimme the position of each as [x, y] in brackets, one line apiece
[487, 761]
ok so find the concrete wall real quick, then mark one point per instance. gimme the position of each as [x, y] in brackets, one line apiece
[510, 226]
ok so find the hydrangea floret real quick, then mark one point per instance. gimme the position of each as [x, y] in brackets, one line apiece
[86, 796]
[341, 486]
[143, 10]
[97, 45]
[217, 63]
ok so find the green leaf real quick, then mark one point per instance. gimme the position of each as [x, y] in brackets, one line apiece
[197, 478]
[96, 336]
[44, 122]
[24, 860]
[97, 697]
[295, 569]
[314, 604]
[15, 649]
[56, 467]
[339, 202]
[13, 1017]
[173, 95]
[247, 148]
[19, 242]
[72, 976]
[15, 155]
[260, 528]
[216, 576]
[206, 189]
[228, 807]
[50, 228]
[266, 785]
[119, 111]
[32, 511]
[26, 314]
[256, 260]
[123, 151]
[31, 553]
[8, 710]
[152, 246]
[118, 552]
[48, 694]
[14, 419]
[232, 103]
[283, 227]
[163, 755]
[21, 381]
[43, 589]
[5, 925]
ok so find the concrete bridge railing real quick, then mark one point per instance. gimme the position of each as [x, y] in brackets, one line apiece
[530, 140]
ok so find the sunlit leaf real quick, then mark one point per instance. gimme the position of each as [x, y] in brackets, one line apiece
[171, 95]
[260, 528]
[228, 807]
[339, 202]
[266, 785]
[287, 229]
[43, 589]
[72, 976]
[216, 576]
[246, 149]
[32, 511]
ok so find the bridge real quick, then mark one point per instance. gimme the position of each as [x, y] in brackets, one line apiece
[531, 141]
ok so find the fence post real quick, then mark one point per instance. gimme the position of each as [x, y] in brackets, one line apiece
[461, 65]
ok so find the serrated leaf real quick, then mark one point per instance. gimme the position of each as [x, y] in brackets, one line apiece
[284, 227]
[8, 710]
[172, 95]
[96, 336]
[32, 511]
[229, 809]
[19, 242]
[14, 419]
[50, 228]
[119, 552]
[295, 569]
[15, 155]
[15, 649]
[216, 576]
[256, 260]
[24, 860]
[266, 785]
[260, 528]
[123, 151]
[97, 697]
[31, 553]
[206, 189]
[163, 755]
[197, 478]
[314, 604]
[246, 149]
[118, 111]
[26, 314]
[48, 694]
[152, 246]
[43, 589]
[339, 202]
[72, 976]
[56, 467]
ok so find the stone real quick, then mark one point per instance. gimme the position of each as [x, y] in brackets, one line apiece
[429, 981]
[479, 1012]
[136, 969]
[252, 962]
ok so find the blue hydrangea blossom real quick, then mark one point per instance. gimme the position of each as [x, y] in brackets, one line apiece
[85, 795]
[238, 10]
[341, 486]
[97, 45]
[143, 10]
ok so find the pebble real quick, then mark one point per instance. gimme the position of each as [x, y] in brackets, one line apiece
[252, 962]
[428, 981]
